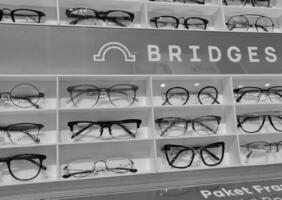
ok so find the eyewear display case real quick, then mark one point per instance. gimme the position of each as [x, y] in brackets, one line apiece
[101, 132]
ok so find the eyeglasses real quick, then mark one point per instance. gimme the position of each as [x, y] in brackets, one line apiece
[256, 148]
[179, 156]
[89, 95]
[243, 23]
[90, 130]
[83, 168]
[88, 15]
[23, 95]
[253, 122]
[23, 133]
[180, 96]
[259, 3]
[167, 21]
[254, 94]
[22, 15]
[174, 126]
[183, 1]
[25, 167]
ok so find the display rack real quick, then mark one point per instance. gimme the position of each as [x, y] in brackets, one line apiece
[56, 110]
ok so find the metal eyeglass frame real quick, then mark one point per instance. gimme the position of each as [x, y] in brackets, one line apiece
[245, 2]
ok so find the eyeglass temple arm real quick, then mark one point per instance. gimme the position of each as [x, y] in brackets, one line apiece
[74, 97]
[35, 139]
[127, 130]
[206, 127]
[37, 164]
[67, 175]
[78, 132]
[176, 156]
[214, 99]
[171, 125]
[212, 154]
[28, 100]
[171, 95]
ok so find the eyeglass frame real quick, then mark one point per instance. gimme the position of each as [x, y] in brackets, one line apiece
[10, 97]
[260, 90]
[267, 144]
[134, 88]
[104, 124]
[192, 121]
[251, 25]
[177, 20]
[88, 172]
[197, 149]
[100, 15]
[34, 138]
[184, 1]
[12, 13]
[188, 95]
[267, 114]
[252, 1]
[29, 157]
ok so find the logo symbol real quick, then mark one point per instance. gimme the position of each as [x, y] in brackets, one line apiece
[128, 56]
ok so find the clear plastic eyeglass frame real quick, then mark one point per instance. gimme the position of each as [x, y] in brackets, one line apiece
[23, 133]
[174, 126]
[259, 147]
[83, 168]
[23, 95]
[89, 95]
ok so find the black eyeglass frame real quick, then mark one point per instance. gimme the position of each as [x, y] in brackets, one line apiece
[258, 115]
[215, 101]
[102, 15]
[192, 121]
[184, 1]
[12, 14]
[177, 20]
[104, 124]
[255, 89]
[198, 149]
[8, 129]
[28, 157]
[244, 3]
[251, 25]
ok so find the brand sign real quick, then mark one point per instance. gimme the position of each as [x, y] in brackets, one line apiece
[91, 50]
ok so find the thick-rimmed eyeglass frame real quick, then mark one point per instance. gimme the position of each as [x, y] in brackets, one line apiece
[100, 15]
[185, 122]
[105, 124]
[262, 116]
[29, 157]
[241, 92]
[198, 149]
[248, 25]
[13, 14]
[186, 23]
